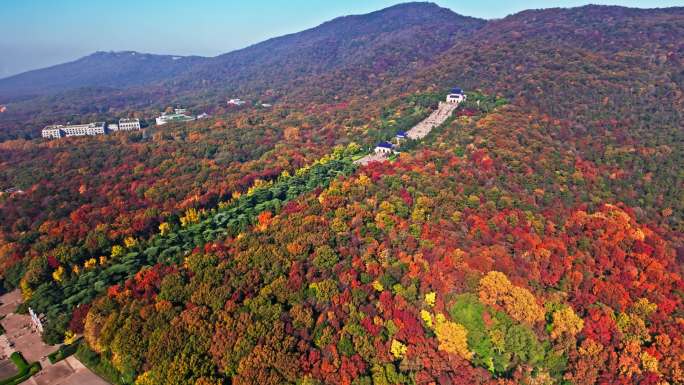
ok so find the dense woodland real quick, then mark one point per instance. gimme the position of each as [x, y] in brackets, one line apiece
[535, 238]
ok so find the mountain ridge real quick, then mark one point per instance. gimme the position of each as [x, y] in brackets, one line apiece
[165, 67]
[368, 49]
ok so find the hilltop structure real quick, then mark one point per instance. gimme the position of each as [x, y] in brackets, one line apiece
[456, 96]
[384, 148]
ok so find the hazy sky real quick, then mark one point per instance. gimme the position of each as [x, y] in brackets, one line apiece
[38, 33]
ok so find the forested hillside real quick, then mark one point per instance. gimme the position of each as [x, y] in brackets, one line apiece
[535, 238]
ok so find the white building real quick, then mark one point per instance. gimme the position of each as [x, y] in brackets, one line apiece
[97, 128]
[456, 96]
[52, 132]
[177, 116]
[236, 102]
[59, 131]
[129, 125]
[384, 148]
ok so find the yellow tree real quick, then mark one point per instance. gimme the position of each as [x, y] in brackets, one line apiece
[452, 337]
[565, 321]
[497, 291]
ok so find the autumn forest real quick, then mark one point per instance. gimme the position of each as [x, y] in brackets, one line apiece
[536, 237]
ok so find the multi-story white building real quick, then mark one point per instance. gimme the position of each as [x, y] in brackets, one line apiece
[97, 128]
[90, 129]
[52, 132]
[129, 124]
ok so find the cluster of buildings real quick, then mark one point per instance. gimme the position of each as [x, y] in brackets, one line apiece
[179, 115]
[237, 102]
[103, 128]
[89, 129]
[388, 148]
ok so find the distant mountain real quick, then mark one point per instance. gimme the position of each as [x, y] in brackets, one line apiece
[366, 49]
[101, 69]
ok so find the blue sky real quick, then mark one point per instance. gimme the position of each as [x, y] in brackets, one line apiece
[38, 33]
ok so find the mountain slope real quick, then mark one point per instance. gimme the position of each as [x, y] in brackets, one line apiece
[391, 40]
[101, 69]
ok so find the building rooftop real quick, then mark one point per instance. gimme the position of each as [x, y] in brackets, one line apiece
[384, 144]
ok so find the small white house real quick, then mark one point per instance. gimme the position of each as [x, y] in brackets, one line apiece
[384, 148]
[456, 96]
